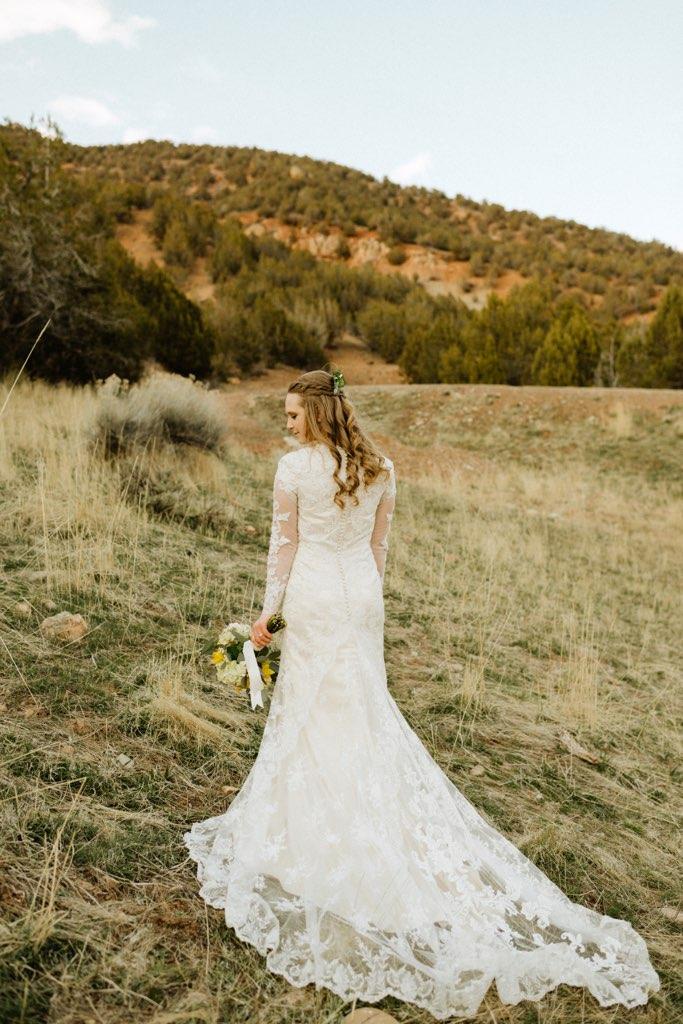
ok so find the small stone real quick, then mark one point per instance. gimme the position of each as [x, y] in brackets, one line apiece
[23, 609]
[297, 997]
[672, 914]
[64, 626]
[49, 606]
[478, 770]
[125, 761]
[575, 748]
[369, 1015]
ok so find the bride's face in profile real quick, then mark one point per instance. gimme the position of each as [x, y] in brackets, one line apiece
[296, 423]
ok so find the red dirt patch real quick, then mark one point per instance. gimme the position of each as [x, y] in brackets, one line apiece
[136, 238]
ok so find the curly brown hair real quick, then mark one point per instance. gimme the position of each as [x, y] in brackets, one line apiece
[331, 419]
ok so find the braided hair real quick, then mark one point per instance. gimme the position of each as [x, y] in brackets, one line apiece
[331, 420]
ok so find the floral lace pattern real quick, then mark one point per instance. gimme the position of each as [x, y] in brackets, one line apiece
[348, 858]
[283, 536]
[379, 540]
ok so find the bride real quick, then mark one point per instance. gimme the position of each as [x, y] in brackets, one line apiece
[348, 858]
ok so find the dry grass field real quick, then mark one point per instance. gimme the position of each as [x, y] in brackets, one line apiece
[533, 641]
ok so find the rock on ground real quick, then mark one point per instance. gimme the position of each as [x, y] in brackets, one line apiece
[64, 626]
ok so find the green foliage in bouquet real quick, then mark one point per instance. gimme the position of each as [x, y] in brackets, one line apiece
[228, 656]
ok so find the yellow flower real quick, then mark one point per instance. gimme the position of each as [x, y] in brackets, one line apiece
[217, 657]
[267, 671]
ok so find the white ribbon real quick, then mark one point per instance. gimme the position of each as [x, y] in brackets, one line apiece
[255, 678]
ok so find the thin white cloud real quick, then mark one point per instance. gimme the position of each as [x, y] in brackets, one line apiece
[412, 171]
[83, 110]
[90, 20]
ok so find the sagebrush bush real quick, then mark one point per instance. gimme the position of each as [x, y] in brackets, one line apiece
[397, 255]
[161, 408]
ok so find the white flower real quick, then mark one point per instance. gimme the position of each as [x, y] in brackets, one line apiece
[230, 671]
[233, 631]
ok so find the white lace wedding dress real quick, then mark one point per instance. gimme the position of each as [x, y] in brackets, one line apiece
[348, 858]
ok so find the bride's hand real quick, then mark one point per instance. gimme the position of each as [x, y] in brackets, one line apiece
[260, 636]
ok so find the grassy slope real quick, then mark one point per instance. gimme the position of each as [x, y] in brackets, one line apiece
[537, 566]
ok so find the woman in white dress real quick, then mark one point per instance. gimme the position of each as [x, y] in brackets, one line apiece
[348, 858]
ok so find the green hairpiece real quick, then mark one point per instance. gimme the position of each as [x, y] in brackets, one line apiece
[339, 382]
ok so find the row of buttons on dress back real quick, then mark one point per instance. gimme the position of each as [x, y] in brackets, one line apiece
[338, 550]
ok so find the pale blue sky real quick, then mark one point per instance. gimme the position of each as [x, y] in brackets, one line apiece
[570, 108]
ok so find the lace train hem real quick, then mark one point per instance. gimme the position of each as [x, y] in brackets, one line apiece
[306, 943]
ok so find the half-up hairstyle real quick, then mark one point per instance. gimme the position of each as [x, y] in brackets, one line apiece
[331, 420]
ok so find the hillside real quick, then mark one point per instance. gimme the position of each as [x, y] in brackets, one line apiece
[532, 613]
[225, 262]
[452, 245]
[438, 274]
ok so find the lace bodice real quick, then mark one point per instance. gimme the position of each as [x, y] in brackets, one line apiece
[304, 513]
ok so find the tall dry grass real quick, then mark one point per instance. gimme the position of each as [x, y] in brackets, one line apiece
[525, 604]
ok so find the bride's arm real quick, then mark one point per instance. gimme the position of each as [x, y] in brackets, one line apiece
[379, 541]
[284, 537]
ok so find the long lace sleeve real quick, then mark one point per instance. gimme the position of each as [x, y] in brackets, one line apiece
[284, 536]
[379, 542]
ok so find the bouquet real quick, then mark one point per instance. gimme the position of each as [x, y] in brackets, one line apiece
[238, 662]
